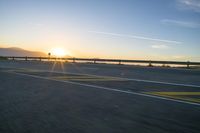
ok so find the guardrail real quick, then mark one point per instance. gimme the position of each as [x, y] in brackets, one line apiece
[96, 60]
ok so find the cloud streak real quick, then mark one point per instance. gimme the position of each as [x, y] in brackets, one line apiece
[180, 23]
[136, 37]
[189, 5]
[159, 46]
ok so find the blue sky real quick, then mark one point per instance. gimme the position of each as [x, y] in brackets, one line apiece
[127, 29]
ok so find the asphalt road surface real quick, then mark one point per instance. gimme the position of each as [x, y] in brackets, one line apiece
[49, 97]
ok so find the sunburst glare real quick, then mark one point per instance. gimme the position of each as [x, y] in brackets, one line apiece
[59, 52]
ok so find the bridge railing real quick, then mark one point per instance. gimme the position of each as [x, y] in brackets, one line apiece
[96, 60]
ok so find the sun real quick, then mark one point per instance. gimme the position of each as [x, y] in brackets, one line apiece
[59, 52]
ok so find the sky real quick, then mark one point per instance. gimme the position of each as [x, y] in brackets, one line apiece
[125, 29]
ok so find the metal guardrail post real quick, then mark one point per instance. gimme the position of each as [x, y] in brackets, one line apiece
[120, 62]
[188, 64]
[94, 61]
[40, 58]
[13, 58]
[26, 58]
[74, 60]
[150, 64]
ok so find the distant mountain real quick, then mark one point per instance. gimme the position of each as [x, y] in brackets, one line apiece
[14, 51]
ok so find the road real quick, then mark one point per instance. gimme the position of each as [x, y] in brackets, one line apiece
[61, 97]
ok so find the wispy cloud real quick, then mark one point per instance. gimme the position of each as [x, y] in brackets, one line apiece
[137, 37]
[178, 56]
[35, 24]
[159, 46]
[189, 5]
[181, 23]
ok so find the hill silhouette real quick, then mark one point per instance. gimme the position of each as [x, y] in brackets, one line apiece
[15, 51]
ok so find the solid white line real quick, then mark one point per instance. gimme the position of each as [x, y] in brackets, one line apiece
[166, 83]
[109, 89]
[132, 79]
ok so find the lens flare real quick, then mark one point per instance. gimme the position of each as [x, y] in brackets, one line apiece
[59, 52]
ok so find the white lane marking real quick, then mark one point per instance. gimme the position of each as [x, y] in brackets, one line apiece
[128, 79]
[132, 79]
[109, 89]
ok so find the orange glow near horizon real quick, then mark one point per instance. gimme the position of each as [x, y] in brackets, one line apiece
[59, 52]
